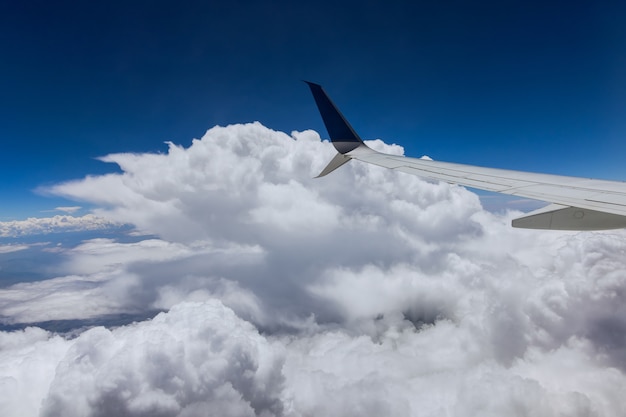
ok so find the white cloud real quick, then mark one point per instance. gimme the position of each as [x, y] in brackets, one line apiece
[382, 293]
[70, 210]
[196, 359]
[12, 248]
[59, 223]
[28, 360]
[106, 277]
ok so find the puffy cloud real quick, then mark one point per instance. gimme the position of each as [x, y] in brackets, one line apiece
[28, 360]
[201, 358]
[251, 188]
[197, 358]
[59, 223]
[381, 292]
[400, 373]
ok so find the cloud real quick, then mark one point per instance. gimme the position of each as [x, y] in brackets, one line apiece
[105, 277]
[70, 210]
[372, 292]
[12, 248]
[199, 357]
[59, 223]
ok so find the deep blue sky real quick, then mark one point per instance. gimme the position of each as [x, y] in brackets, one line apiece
[537, 86]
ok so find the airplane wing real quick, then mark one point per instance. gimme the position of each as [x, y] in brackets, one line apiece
[577, 203]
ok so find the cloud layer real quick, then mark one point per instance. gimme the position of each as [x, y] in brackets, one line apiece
[59, 223]
[366, 292]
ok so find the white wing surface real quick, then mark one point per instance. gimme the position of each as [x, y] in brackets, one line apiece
[577, 203]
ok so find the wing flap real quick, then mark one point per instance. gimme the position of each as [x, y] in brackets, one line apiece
[558, 217]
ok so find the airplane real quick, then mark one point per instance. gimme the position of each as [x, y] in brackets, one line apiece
[576, 203]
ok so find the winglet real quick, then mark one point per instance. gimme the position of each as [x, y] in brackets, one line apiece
[342, 135]
[335, 163]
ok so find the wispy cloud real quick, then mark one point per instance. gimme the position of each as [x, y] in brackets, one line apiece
[70, 210]
[367, 292]
[12, 248]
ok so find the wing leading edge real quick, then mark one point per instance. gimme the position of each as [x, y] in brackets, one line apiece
[577, 203]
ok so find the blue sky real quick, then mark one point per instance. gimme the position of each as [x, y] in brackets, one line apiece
[522, 85]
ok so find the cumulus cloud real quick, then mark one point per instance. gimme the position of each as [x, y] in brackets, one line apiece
[59, 223]
[197, 358]
[366, 292]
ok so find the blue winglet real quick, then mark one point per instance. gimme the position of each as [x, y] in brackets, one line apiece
[342, 135]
